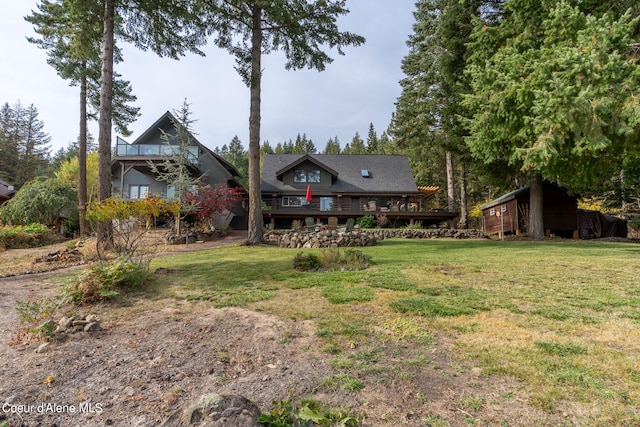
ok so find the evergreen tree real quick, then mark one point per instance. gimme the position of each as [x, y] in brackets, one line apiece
[357, 146]
[372, 140]
[555, 91]
[427, 118]
[301, 29]
[24, 145]
[175, 170]
[332, 147]
[71, 33]
[238, 157]
[266, 148]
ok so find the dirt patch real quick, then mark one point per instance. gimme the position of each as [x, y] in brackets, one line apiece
[153, 357]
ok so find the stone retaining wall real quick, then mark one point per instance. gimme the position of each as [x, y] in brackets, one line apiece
[356, 238]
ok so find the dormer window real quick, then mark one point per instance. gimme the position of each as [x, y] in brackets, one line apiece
[306, 176]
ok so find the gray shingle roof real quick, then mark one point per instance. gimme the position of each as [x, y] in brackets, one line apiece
[389, 174]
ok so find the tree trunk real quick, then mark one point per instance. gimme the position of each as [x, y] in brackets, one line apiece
[82, 157]
[451, 186]
[105, 117]
[463, 221]
[255, 231]
[536, 219]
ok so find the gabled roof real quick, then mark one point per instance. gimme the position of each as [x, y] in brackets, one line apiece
[303, 159]
[387, 174]
[168, 119]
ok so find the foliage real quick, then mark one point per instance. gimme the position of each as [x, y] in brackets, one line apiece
[131, 219]
[175, 169]
[300, 29]
[332, 259]
[306, 262]
[43, 200]
[23, 144]
[104, 281]
[69, 170]
[283, 414]
[37, 315]
[24, 236]
[555, 92]
[634, 226]
[366, 221]
[208, 202]
[71, 34]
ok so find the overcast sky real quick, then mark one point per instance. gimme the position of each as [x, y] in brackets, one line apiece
[355, 90]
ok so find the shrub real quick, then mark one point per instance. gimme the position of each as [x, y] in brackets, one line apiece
[104, 281]
[37, 316]
[306, 262]
[26, 236]
[332, 260]
[367, 221]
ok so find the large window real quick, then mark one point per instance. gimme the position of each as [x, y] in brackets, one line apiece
[326, 203]
[301, 175]
[289, 201]
[137, 191]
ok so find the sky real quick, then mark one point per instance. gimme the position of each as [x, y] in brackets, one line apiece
[355, 90]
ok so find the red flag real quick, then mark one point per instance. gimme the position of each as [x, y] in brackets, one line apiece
[309, 193]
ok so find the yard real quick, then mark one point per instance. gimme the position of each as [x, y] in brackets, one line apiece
[435, 332]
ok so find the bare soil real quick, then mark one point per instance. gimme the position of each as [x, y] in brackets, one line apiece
[154, 357]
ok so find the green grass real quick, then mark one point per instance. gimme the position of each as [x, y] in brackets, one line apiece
[561, 317]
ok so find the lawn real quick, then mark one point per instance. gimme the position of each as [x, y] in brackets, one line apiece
[560, 317]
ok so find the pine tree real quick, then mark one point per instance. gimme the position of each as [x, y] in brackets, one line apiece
[555, 91]
[299, 28]
[24, 145]
[175, 170]
[332, 147]
[357, 146]
[372, 140]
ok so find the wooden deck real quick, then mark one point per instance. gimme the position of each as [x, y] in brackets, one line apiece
[283, 217]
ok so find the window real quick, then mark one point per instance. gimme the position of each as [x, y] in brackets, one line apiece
[293, 201]
[138, 191]
[300, 175]
[326, 203]
[171, 191]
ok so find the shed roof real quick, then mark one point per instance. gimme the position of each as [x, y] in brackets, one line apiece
[387, 174]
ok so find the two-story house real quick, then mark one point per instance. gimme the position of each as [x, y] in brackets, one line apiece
[133, 178]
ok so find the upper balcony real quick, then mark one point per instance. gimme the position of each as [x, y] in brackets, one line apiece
[124, 149]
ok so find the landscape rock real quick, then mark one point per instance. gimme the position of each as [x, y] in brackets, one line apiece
[214, 410]
[358, 238]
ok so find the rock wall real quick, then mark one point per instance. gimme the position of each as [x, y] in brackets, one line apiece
[355, 238]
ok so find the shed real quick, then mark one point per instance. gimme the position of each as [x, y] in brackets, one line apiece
[511, 211]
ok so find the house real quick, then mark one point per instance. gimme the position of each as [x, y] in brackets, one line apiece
[297, 186]
[7, 191]
[561, 216]
[132, 177]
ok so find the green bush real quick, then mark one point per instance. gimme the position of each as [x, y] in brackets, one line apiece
[306, 262]
[26, 236]
[37, 316]
[104, 281]
[332, 260]
[367, 221]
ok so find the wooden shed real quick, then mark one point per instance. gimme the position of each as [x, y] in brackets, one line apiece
[510, 212]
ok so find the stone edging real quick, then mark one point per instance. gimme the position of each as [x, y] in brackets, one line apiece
[356, 238]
